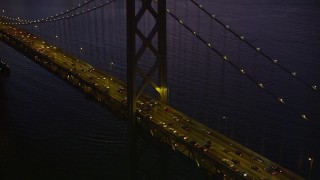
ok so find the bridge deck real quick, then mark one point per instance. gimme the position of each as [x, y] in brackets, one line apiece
[208, 148]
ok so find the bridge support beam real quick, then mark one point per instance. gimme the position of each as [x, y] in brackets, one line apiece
[134, 54]
[131, 84]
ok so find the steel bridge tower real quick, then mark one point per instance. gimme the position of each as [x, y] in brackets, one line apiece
[135, 14]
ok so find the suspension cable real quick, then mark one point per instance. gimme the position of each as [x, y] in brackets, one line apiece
[77, 14]
[242, 38]
[242, 71]
[51, 17]
[64, 17]
[70, 11]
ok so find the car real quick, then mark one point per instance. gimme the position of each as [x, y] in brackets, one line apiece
[185, 119]
[164, 125]
[197, 145]
[255, 168]
[207, 131]
[277, 169]
[146, 109]
[145, 115]
[148, 116]
[236, 162]
[203, 148]
[226, 151]
[243, 173]
[185, 127]
[257, 158]
[140, 102]
[206, 146]
[183, 136]
[125, 101]
[271, 171]
[120, 91]
[170, 124]
[149, 104]
[238, 152]
[207, 141]
[228, 162]
[194, 143]
[172, 130]
[175, 118]
[154, 102]
[121, 88]
[167, 109]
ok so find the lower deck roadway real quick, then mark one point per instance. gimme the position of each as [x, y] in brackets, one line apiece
[210, 144]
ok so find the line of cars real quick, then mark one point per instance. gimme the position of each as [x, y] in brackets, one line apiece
[179, 126]
[175, 125]
[182, 130]
[231, 163]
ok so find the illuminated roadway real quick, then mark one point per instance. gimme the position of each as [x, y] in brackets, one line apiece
[187, 132]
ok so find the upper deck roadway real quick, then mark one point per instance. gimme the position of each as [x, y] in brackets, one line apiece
[208, 148]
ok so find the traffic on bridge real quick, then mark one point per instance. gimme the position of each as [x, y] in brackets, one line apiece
[208, 148]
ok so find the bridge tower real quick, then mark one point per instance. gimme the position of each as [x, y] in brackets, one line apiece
[135, 14]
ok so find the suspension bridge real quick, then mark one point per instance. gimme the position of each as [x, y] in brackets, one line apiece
[147, 111]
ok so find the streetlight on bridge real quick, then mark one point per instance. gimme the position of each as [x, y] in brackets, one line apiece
[225, 124]
[311, 163]
[112, 67]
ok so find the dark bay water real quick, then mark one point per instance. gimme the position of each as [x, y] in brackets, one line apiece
[49, 130]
